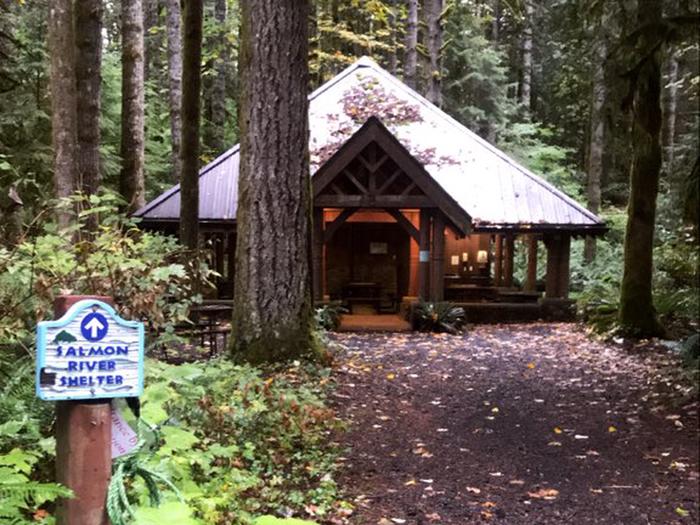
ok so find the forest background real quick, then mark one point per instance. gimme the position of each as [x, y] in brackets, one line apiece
[546, 81]
[525, 75]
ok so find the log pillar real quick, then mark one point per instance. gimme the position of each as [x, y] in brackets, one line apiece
[498, 261]
[424, 254]
[531, 280]
[557, 279]
[565, 249]
[508, 254]
[317, 263]
[231, 253]
[437, 277]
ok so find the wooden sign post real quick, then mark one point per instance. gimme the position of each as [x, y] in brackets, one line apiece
[86, 357]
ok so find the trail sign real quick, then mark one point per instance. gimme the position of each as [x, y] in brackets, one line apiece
[89, 353]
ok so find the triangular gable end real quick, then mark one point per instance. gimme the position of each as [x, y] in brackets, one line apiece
[372, 169]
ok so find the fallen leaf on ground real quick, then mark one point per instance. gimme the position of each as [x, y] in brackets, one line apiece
[544, 494]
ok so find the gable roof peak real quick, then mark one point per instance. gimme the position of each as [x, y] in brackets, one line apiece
[366, 61]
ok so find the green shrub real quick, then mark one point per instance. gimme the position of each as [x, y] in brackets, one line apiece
[438, 317]
[328, 316]
[143, 271]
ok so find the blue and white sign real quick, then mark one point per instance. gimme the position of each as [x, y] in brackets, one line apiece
[89, 353]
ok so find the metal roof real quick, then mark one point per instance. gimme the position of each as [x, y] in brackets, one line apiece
[493, 189]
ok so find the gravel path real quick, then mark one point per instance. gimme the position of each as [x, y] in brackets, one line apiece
[522, 424]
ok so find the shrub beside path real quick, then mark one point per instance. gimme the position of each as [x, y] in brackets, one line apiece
[521, 424]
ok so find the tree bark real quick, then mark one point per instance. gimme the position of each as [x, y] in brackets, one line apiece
[671, 106]
[152, 40]
[411, 52]
[434, 22]
[597, 134]
[173, 25]
[88, 17]
[191, 109]
[133, 143]
[272, 316]
[218, 88]
[63, 101]
[637, 314]
[526, 82]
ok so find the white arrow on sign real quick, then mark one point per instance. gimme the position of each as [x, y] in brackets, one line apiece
[94, 325]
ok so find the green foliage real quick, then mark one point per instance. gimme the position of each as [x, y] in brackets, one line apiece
[438, 317]
[238, 443]
[327, 317]
[142, 271]
[26, 451]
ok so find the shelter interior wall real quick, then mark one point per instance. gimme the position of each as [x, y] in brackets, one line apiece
[348, 258]
[469, 245]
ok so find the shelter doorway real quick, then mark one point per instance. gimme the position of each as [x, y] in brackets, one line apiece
[368, 265]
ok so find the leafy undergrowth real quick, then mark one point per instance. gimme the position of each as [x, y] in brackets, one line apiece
[240, 443]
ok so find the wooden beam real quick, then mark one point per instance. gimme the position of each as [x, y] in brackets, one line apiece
[508, 260]
[356, 182]
[553, 244]
[404, 223]
[498, 261]
[564, 255]
[437, 273]
[531, 280]
[317, 268]
[424, 254]
[344, 215]
[408, 188]
[389, 181]
[371, 201]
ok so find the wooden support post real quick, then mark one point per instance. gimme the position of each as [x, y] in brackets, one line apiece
[564, 255]
[424, 254]
[231, 266]
[317, 268]
[83, 449]
[553, 244]
[498, 261]
[509, 250]
[437, 274]
[531, 280]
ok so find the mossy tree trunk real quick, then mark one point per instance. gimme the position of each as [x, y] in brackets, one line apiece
[88, 18]
[637, 314]
[63, 100]
[173, 24]
[131, 182]
[433, 18]
[272, 315]
[410, 68]
[191, 109]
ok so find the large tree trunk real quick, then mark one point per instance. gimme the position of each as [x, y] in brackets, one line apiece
[670, 114]
[637, 315]
[132, 146]
[173, 24]
[218, 87]
[410, 69]
[152, 40]
[63, 100]
[191, 92]
[434, 21]
[526, 78]
[88, 17]
[491, 128]
[597, 134]
[272, 315]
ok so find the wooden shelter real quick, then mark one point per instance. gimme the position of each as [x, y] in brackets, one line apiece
[407, 203]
